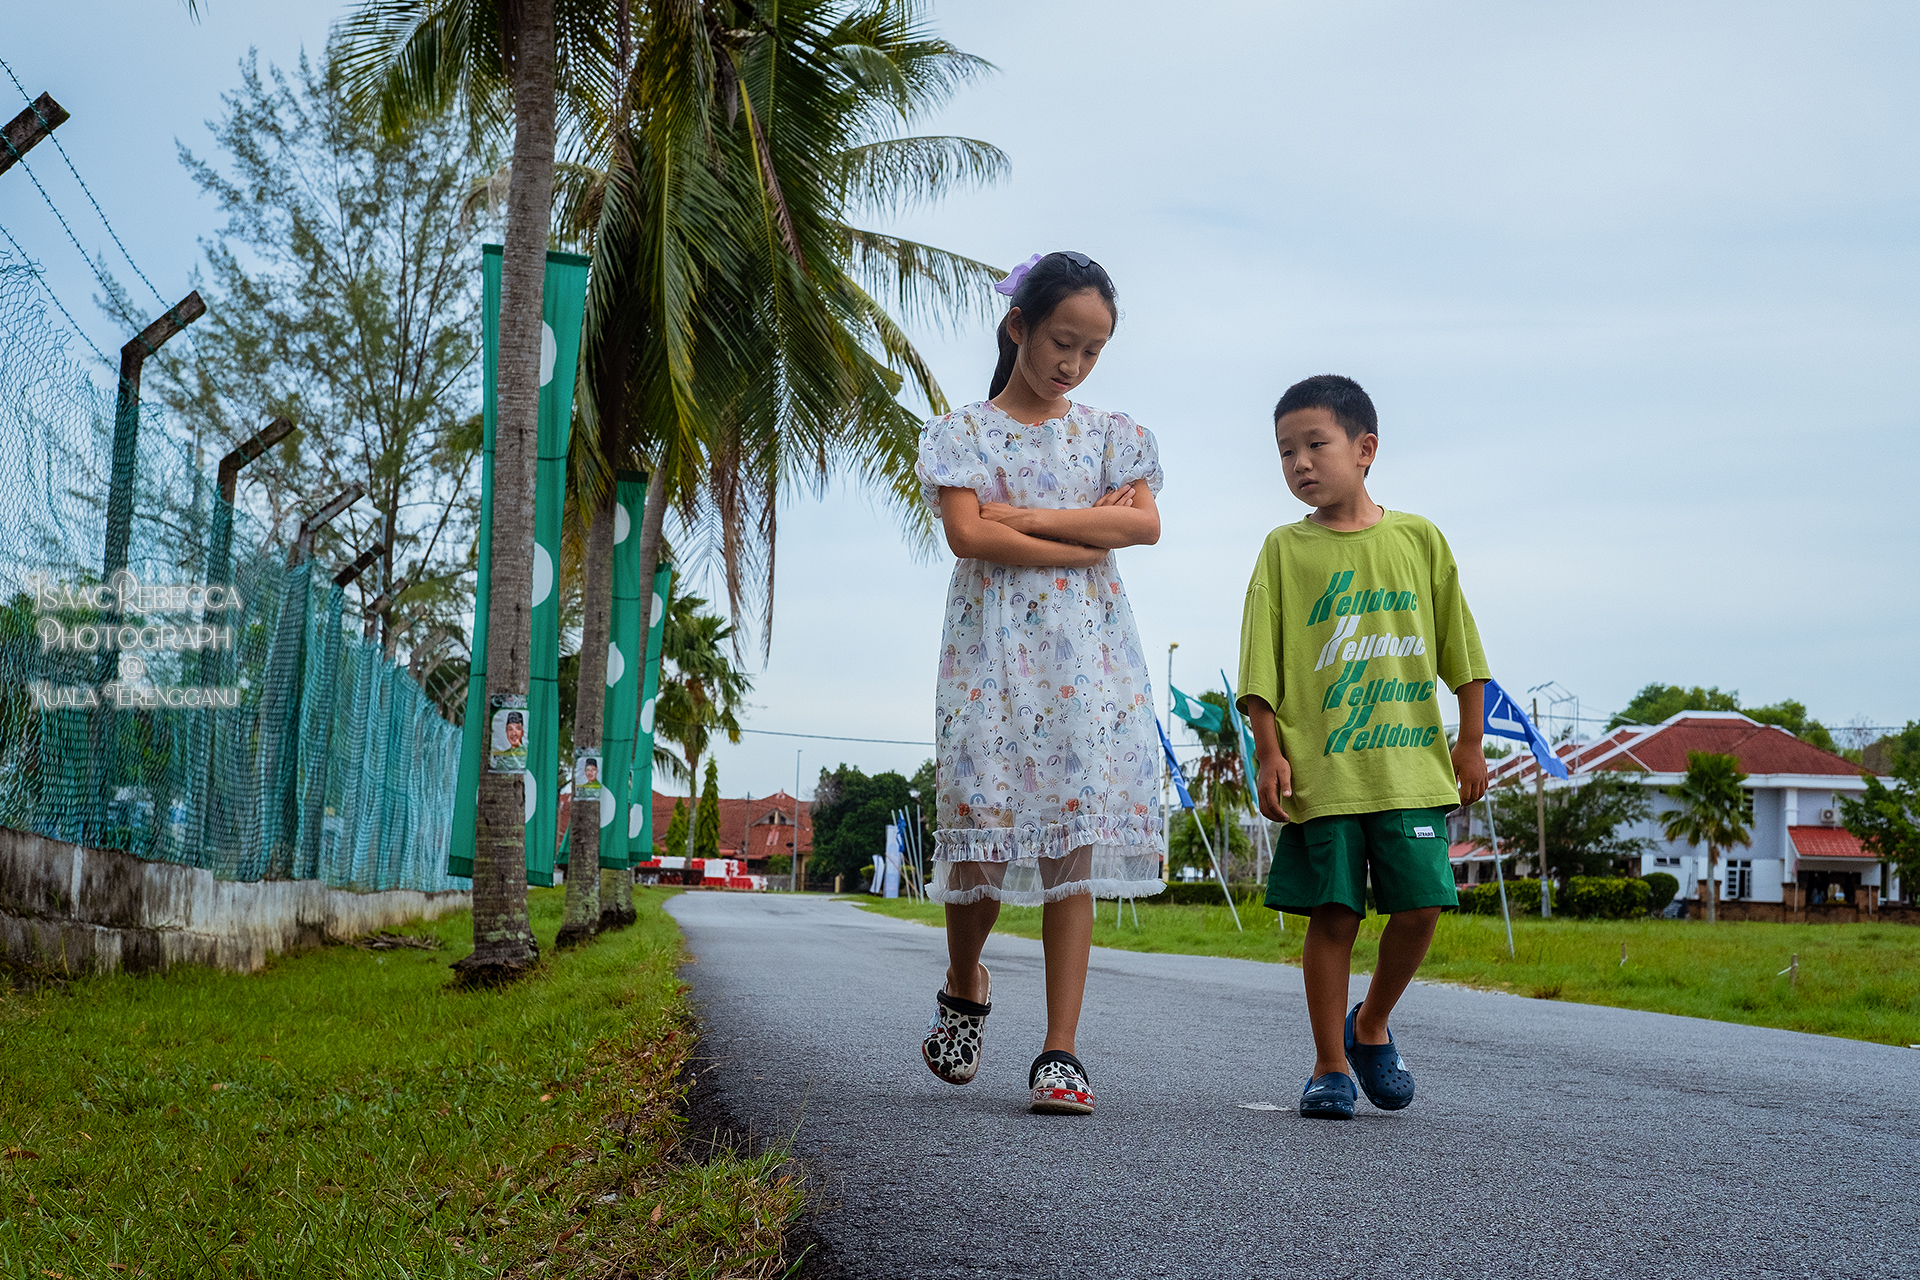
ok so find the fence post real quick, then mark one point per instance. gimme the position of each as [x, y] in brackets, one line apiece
[30, 126]
[316, 737]
[101, 758]
[210, 816]
[280, 696]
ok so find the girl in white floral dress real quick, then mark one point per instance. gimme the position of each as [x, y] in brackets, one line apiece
[1047, 752]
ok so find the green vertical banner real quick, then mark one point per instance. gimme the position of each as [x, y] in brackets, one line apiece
[563, 306]
[626, 642]
[475, 727]
[642, 834]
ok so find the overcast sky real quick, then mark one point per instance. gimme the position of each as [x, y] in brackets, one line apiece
[1635, 288]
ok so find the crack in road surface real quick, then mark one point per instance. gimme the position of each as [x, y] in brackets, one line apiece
[1546, 1138]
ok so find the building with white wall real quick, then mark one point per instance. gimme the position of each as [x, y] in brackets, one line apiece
[1800, 857]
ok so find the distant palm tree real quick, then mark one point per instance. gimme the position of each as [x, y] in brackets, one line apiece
[1712, 812]
[701, 693]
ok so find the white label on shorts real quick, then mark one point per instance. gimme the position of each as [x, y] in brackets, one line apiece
[1425, 833]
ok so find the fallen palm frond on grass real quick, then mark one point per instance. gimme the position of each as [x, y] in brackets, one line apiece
[347, 1113]
[1857, 981]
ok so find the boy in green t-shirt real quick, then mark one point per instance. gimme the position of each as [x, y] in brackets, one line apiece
[1354, 622]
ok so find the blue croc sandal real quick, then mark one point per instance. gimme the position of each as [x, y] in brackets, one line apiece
[1328, 1097]
[1381, 1069]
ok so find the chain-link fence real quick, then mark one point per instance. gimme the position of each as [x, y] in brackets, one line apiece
[211, 706]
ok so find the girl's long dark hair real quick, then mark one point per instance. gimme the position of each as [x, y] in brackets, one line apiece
[1053, 280]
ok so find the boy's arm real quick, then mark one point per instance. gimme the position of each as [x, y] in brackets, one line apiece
[1276, 775]
[1469, 757]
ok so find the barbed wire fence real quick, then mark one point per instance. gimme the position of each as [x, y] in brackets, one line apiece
[178, 679]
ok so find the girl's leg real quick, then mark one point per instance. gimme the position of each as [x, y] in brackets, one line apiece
[967, 930]
[1327, 961]
[1066, 928]
[1403, 945]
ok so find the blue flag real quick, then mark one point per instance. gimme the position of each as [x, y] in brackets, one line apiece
[1203, 716]
[1173, 766]
[1505, 719]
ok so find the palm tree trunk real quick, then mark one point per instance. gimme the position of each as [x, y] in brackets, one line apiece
[585, 831]
[616, 887]
[503, 943]
[1713, 885]
[693, 801]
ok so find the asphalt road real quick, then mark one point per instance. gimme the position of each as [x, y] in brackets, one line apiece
[1546, 1139]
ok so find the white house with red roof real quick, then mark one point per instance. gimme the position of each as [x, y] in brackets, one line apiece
[1800, 857]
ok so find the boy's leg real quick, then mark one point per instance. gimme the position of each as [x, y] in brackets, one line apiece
[967, 930]
[1327, 961]
[1403, 945]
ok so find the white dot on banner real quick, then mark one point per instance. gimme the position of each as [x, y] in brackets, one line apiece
[532, 790]
[634, 820]
[607, 806]
[549, 353]
[659, 610]
[542, 574]
[616, 665]
[646, 716]
[622, 523]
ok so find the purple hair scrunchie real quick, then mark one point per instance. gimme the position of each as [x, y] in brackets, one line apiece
[1011, 284]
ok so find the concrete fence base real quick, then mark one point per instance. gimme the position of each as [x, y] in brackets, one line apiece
[77, 910]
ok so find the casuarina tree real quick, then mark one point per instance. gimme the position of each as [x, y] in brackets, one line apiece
[706, 818]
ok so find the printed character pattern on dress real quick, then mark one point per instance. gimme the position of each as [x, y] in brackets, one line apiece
[1046, 735]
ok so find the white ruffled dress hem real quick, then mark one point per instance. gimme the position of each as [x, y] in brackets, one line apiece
[1030, 866]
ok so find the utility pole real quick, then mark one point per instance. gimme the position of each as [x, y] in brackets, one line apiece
[1540, 819]
[797, 867]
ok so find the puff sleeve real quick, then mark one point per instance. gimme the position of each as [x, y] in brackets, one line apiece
[950, 458]
[1132, 455]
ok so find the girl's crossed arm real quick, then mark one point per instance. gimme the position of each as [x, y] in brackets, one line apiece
[971, 536]
[1127, 517]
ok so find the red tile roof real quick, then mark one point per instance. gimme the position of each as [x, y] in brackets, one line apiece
[1826, 842]
[754, 829]
[1760, 748]
[1663, 748]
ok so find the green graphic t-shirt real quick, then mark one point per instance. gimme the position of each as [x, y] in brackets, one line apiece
[1351, 638]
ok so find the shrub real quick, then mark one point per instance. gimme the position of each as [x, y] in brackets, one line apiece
[1206, 893]
[1662, 887]
[1484, 899]
[1604, 897]
[1582, 898]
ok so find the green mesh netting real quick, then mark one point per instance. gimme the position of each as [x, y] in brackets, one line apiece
[330, 763]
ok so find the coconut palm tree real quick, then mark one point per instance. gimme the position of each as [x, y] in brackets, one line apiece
[403, 58]
[730, 347]
[1712, 812]
[734, 342]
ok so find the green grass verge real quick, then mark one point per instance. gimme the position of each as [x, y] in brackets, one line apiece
[345, 1113]
[1858, 981]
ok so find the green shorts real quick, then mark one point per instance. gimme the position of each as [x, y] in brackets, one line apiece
[1325, 860]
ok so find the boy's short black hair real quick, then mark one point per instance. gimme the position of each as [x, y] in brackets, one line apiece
[1342, 397]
